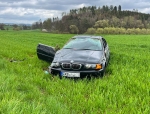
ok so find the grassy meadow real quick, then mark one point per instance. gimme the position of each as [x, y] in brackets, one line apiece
[26, 89]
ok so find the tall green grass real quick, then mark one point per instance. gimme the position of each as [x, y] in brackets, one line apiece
[25, 88]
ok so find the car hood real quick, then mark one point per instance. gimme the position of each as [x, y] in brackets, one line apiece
[84, 56]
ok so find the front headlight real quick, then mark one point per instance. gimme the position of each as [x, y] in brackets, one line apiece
[55, 64]
[93, 66]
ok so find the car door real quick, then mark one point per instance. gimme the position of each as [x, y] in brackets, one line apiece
[106, 49]
[45, 52]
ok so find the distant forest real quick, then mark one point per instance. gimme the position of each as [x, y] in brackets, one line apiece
[82, 19]
[79, 20]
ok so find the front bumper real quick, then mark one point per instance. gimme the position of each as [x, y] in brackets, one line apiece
[83, 73]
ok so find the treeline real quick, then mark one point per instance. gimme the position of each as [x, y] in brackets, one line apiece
[79, 20]
[14, 27]
[21, 27]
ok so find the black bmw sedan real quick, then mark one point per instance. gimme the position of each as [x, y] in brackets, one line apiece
[82, 55]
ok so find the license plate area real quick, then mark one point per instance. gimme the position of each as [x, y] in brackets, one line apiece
[70, 74]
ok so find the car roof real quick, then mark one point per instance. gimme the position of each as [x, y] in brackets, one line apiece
[87, 36]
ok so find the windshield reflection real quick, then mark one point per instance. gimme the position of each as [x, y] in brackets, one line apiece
[84, 44]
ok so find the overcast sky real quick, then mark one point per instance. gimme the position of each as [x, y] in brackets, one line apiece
[29, 11]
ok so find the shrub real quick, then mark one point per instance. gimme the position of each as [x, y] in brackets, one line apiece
[130, 31]
[100, 31]
[148, 31]
[55, 31]
[143, 31]
[137, 31]
[74, 29]
[16, 28]
[112, 30]
[122, 31]
[91, 31]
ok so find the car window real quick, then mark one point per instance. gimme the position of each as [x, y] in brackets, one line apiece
[84, 44]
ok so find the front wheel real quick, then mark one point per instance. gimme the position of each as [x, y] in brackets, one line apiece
[102, 73]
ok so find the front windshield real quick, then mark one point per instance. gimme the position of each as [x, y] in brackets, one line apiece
[84, 44]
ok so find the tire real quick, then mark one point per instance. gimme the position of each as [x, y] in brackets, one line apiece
[60, 77]
[102, 74]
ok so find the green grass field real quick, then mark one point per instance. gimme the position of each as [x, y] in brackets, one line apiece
[26, 89]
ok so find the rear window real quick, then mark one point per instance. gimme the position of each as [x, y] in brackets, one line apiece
[84, 44]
